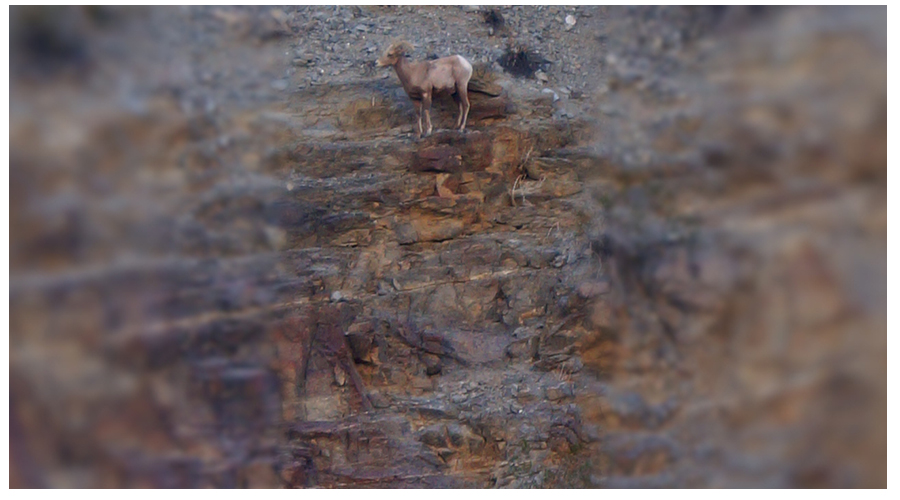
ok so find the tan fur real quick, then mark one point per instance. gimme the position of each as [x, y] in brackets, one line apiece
[422, 79]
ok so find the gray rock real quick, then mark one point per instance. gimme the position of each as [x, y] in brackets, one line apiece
[433, 365]
[434, 435]
[406, 234]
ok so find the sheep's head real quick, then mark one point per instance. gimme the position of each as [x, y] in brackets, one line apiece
[394, 53]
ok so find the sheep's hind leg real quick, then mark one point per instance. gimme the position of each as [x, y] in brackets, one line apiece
[464, 111]
[458, 100]
[426, 103]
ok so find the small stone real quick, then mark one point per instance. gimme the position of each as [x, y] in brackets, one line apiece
[406, 234]
[522, 349]
[559, 261]
[571, 365]
[339, 376]
[378, 400]
[541, 76]
[435, 435]
[432, 459]
[554, 393]
[458, 434]
[533, 172]
[433, 365]
[570, 22]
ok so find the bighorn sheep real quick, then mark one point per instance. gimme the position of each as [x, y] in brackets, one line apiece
[422, 79]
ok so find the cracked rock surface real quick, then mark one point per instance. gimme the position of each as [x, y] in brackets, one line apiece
[658, 261]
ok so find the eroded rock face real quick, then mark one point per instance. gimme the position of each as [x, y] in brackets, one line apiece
[667, 275]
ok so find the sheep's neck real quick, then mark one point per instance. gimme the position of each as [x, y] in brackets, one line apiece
[404, 70]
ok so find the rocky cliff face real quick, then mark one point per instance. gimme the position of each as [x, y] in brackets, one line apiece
[657, 261]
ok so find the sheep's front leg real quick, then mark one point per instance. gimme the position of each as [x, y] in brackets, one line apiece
[418, 105]
[458, 100]
[426, 103]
